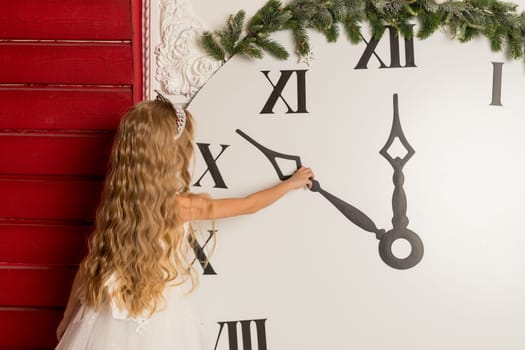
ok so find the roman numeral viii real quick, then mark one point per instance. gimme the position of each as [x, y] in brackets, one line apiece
[246, 334]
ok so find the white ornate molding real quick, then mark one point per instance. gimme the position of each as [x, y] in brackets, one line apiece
[182, 66]
[146, 38]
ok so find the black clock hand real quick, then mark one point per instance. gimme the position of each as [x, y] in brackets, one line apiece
[399, 203]
[349, 211]
[272, 155]
[399, 199]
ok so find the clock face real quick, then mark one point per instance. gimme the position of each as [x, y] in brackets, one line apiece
[413, 238]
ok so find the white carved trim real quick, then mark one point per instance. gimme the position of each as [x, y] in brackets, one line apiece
[182, 66]
[146, 39]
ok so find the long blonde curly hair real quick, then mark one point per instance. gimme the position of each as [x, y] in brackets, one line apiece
[139, 244]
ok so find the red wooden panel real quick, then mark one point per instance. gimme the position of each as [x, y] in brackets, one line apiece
[34, 328]
[66, 63]
[65, 19]
[49, 199]
[43, 243]
[63, 107]
[35, 286]
[24, 348]
[52, 153]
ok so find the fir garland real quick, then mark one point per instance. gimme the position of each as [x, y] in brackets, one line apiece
[498, 21]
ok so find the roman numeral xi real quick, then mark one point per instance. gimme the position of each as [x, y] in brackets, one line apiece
[278, 88]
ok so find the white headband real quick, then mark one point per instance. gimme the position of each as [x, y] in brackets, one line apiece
[179, 113]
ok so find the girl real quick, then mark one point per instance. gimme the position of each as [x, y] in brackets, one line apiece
[131, 291]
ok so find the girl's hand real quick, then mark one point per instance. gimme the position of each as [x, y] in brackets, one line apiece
[302, 177]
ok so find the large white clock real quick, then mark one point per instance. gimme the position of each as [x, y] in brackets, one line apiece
[417, 247]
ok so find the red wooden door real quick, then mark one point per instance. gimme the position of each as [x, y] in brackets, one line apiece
[68, 71]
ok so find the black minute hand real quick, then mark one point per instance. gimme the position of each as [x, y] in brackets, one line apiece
[349, 211]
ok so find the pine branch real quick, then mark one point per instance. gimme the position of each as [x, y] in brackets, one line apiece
[498, 21]
[212, 47]
[272, 47]
[406, 29]
[251, 51]
[332, 33]
[353, 30]
[230, 36]
[302, 41]
[266, 19]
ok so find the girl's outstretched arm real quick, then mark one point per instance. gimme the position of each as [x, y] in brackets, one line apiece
[197, 208]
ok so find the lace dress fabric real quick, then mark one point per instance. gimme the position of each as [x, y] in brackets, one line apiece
[173, 328]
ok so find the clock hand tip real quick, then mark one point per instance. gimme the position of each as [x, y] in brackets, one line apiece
[242, 133]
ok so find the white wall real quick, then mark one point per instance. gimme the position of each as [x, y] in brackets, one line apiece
[315, 277]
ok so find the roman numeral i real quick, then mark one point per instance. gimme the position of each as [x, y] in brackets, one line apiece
[497, 70]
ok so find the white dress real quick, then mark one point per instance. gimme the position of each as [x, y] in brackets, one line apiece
[173, 328]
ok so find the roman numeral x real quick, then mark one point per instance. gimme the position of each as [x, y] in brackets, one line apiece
[200, 255]
[211, 164]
